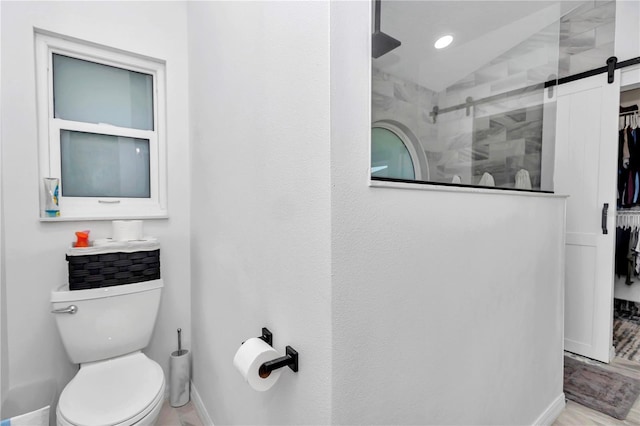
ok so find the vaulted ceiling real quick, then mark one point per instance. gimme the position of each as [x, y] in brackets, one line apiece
[482, 30]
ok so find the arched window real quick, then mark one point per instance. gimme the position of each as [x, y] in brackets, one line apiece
[396, 153]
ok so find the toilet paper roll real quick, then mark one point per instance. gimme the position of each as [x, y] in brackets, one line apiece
[179, 378]
[126, 230]
[248, 359]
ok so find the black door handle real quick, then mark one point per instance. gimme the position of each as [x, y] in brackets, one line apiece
[605, 208]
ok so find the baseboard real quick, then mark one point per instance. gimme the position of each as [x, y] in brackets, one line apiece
[545, 419]
[552, 412]
[200, 408]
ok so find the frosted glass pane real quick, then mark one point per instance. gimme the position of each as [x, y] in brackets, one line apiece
[389, 156]
[95, 93]
[95, 165]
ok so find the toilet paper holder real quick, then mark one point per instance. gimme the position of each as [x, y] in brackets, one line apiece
[267, 336]
[289, 360]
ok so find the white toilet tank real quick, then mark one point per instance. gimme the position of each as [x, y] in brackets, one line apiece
[108, 321]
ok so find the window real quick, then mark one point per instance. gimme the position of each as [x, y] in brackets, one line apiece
[390, 156]
[482, 109]
[396, 152]
[101, 129]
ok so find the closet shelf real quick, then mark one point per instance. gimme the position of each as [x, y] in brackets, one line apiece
[628, 218]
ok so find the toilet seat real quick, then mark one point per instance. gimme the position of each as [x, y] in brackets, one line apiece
[115, 392]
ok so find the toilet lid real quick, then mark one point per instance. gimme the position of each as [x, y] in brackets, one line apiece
[110, 392]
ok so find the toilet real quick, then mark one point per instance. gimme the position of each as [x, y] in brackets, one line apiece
[104, 330]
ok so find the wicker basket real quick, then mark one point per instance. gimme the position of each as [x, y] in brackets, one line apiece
[109, 269]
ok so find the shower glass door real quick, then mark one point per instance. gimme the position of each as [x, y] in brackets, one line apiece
[482, 109]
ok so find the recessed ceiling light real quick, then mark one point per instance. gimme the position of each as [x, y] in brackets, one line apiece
[443, 42]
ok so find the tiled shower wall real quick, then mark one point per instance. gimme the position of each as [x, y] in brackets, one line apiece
[393, 98]
[500, 138]
[587, 37]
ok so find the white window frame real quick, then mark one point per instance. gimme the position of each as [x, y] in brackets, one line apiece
[97, 208]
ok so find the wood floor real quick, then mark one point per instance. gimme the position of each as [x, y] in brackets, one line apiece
[576, 414]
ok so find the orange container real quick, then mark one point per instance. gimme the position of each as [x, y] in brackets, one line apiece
[83, 239]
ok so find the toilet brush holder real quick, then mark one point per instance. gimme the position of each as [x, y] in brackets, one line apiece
[179, 378]
[179, 375]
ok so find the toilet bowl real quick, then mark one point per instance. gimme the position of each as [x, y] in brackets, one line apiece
[95, 395]
[104, 330]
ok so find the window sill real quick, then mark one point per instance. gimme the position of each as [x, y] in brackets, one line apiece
[422, 186]
[87, 218]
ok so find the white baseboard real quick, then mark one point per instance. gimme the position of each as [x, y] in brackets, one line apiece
[552, 412]
[545, 419]
[200, 408]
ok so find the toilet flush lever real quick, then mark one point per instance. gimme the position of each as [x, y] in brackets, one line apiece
[68, 310]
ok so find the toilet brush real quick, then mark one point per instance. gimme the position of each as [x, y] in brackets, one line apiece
[179, 342]
[179, 375]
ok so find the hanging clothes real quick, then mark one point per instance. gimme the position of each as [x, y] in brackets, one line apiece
[628, 158]
[627, 261]
[623, 235]
[628, 167]
[627, 264]
[632, 256]
[634, 167]
[637, 251]
[634, 136]
[623, 168]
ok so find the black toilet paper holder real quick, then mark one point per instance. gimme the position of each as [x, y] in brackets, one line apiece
[267, 336]
[289, 360]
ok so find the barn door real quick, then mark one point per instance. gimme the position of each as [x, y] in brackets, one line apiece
[586, 170]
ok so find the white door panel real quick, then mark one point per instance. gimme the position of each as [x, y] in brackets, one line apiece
[585, 169]
[581, 266]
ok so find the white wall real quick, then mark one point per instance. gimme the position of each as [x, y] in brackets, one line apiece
[446, 305]
[260, 129]
[34, 253]
[404, 305]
